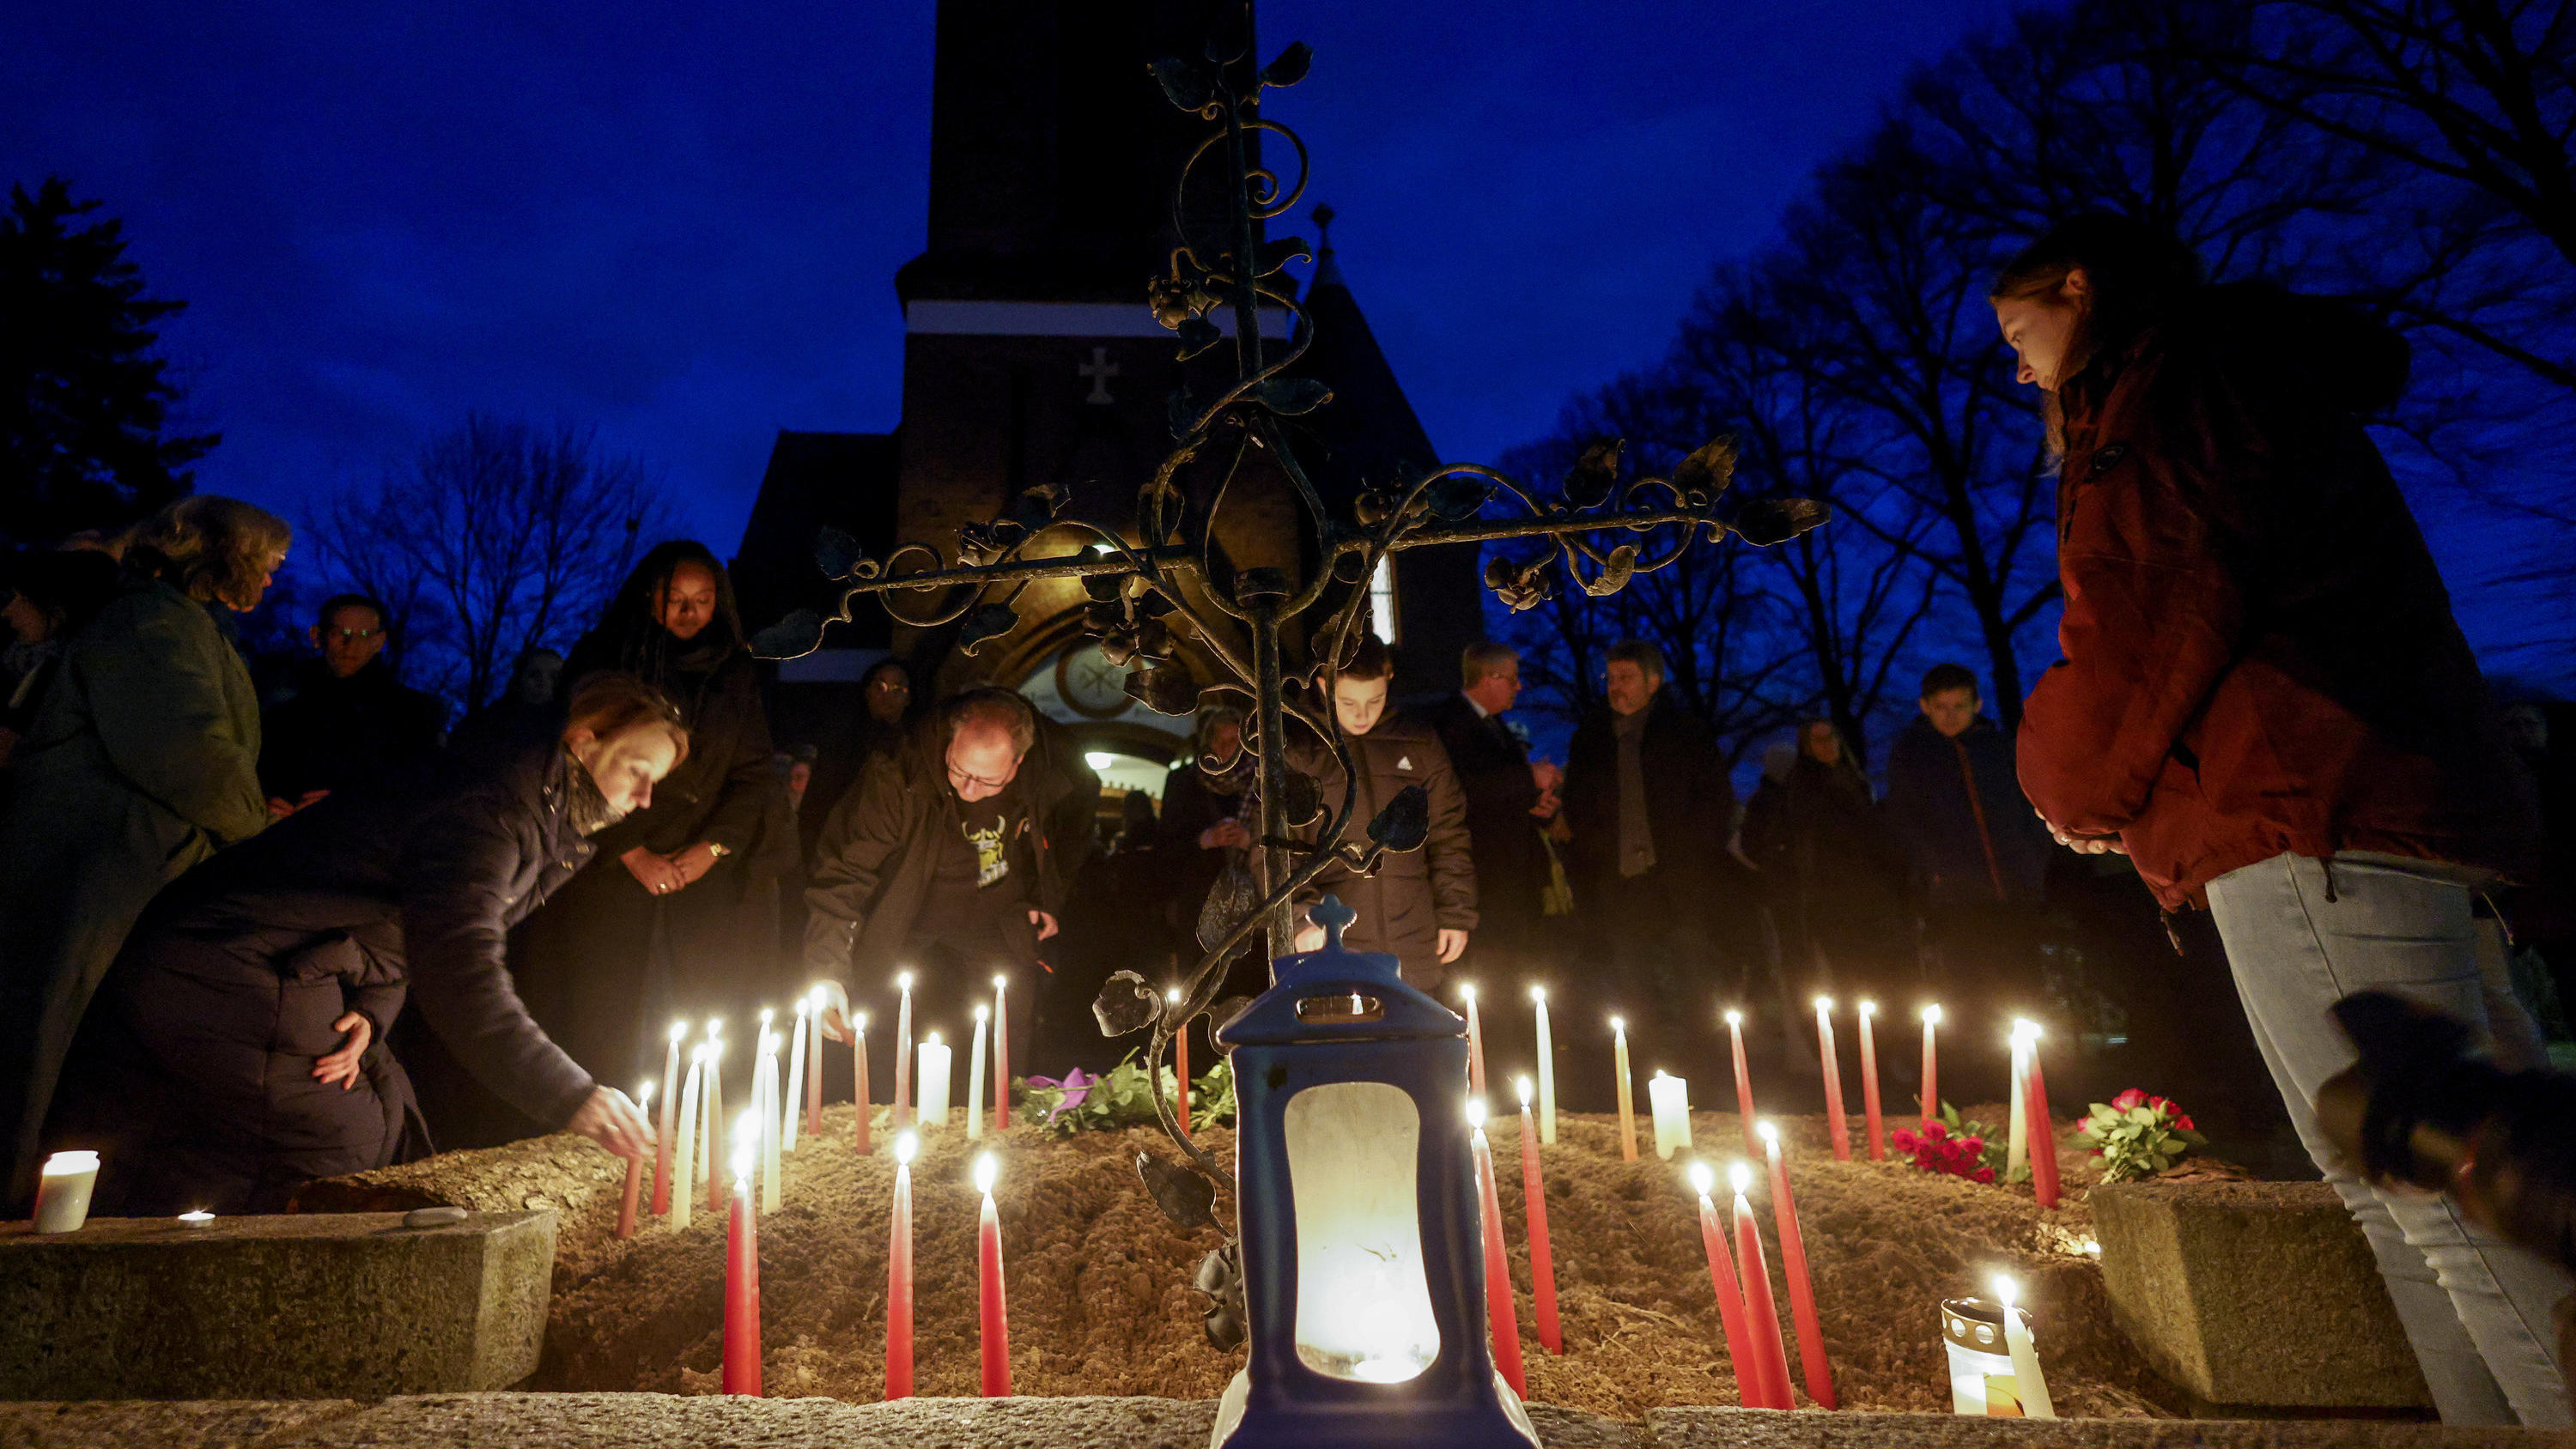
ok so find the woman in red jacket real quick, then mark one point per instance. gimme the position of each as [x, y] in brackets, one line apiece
[2265, 703]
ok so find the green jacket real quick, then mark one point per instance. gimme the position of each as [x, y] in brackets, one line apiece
[142, 759]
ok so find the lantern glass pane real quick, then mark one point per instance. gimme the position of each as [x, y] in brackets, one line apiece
[1363, 1305]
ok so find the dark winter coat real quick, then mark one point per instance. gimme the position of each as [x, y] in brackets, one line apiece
[1417, 894]
[1690, 805]
[1192, 803]
[1493, 770]
[332, 733]
[872, 869]
[193, 1072]
[1832, 867]
[1956, 803]
[141, 760]
[2260, 657]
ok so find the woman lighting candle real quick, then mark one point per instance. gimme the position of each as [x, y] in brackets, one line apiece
[1546, 1070]
[1542, 1255]
[742, 1268]
[1730, 1293]
[1627, 1101]
[1837, 1130]
[1502, 1320]
[662, 1143]
[993, 1311]
[899, 1273]
[1793, 1267]
[1869, 1083]
[1770, 1354]
[634, 1171]
[1743, 1080]
[1475, 1042]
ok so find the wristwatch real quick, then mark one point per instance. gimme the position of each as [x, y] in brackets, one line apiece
[718, 851]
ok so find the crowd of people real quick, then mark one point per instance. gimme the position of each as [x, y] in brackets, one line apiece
[212, 915]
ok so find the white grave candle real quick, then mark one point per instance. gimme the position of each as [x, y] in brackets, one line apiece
[63, 1189]
[1546, 1070]
[2017, 1146]
[685, 1150]
[770, 1105]
[932, 1081]
[2029, 1385]
[1669, 1099]
[793, 1107]
[975, 1077]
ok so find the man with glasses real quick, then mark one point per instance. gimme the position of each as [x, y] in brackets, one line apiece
[943, 861]
[346, 720]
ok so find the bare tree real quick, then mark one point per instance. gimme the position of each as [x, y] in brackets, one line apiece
[496, 538]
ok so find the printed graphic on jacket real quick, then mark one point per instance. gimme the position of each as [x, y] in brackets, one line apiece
[985, 838]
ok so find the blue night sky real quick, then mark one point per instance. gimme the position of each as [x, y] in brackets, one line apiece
[681, 223]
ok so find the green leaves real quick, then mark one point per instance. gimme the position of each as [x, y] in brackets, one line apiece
[2137, 1136]
[1124, 1098]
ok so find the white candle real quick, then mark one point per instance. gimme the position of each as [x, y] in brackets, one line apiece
[931, 1108]
[2028, 1383]
[1669, 1099]
[794, 1105]
[904, 1095]
[2017, 1154]
[975, 1077]
[684, 1151]
[63, 1190]
[765, 1099]
[1546, 1070]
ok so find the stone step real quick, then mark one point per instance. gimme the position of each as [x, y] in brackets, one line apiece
[661, 1421]
[318, 1306]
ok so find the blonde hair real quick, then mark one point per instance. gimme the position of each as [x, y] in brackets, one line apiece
[609, 703]
[211, 547]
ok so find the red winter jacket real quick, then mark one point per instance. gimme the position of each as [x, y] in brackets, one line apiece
[2259, 654]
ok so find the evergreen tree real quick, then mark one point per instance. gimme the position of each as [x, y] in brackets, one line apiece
[83, 400]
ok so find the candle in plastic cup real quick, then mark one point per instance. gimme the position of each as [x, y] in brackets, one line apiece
[62, 1192]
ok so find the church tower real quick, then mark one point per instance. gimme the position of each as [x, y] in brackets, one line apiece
[1030, 356]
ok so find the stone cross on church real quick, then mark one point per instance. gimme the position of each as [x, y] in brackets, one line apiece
[1099, 369]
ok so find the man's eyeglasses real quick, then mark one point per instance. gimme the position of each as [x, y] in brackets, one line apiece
[358, 634]
[959, 779]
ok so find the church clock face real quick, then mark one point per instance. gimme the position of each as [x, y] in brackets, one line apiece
[1090, 683]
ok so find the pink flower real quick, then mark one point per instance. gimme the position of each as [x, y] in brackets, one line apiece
[2130, 1098]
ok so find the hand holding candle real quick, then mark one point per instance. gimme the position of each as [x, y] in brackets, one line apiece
[1743, 1080]
[1730, 1293]
[1837, 1130]
[1869, 1082]
[2029, 1384]
[1542, 1254]
[992, 1310]
[898, 1359]
[1627, 1102]
[634, 1171]
[1793, 1267]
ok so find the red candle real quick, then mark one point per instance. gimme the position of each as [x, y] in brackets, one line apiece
[859, 1054]
[742, 1278]
[1743, 1080]
[1836, 1129]
[1542, 1256]
[812, 1026]
[901, 1116]
[1793, 1266]
[2043, 1133]
[1771, 1355]
[1475, 1045]
[1500, 1316]
[1869, 1083]
[1181, 1061]
[993, 1314]
[670, 1104]
[1931, 1064]
[1001, 1055]
[899, 1274]
[1730, 1294]
[635, 1166]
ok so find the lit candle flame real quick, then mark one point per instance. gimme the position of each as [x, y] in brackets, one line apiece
[1539, 995]
[679, 1032]
[1868, 1008]
[931, 1040]
[863, 1023]
[1703, 1178]
[644, 1094]
[983, 1014]
[1769, 1134]
[715, 1025]
[1739, 1177]
[1476, 1113]
[803, 1008]
[1619, 1025]
[906, 1148]
[1524, 1087]
[1173, 995]
[2005, 1291]
[746, 1145]
[1932, 1016]
[765, 1015]
[1824, 1004]
[999, 981]
[987, 1168]
[1735, 1018]
[1467, 990]
[2025, 1032]
[903, 979]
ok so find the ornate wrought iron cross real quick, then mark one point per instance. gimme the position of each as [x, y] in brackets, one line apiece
[1171, 582]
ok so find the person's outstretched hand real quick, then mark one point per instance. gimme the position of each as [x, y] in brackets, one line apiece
[341, 1067]
[614, 1122]
[835, 1017]
[1453, 944]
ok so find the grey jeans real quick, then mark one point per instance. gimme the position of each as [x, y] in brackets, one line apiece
[2299, 938]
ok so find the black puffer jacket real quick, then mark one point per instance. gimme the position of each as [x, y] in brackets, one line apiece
[1419, 893]
[194, 1066]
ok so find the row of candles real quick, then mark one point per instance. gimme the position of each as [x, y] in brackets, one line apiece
[2032, 1143]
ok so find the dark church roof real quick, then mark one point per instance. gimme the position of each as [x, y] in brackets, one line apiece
[844, 480]
[1369, 430]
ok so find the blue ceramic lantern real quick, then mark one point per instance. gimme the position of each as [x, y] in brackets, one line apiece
[1363, 1259]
